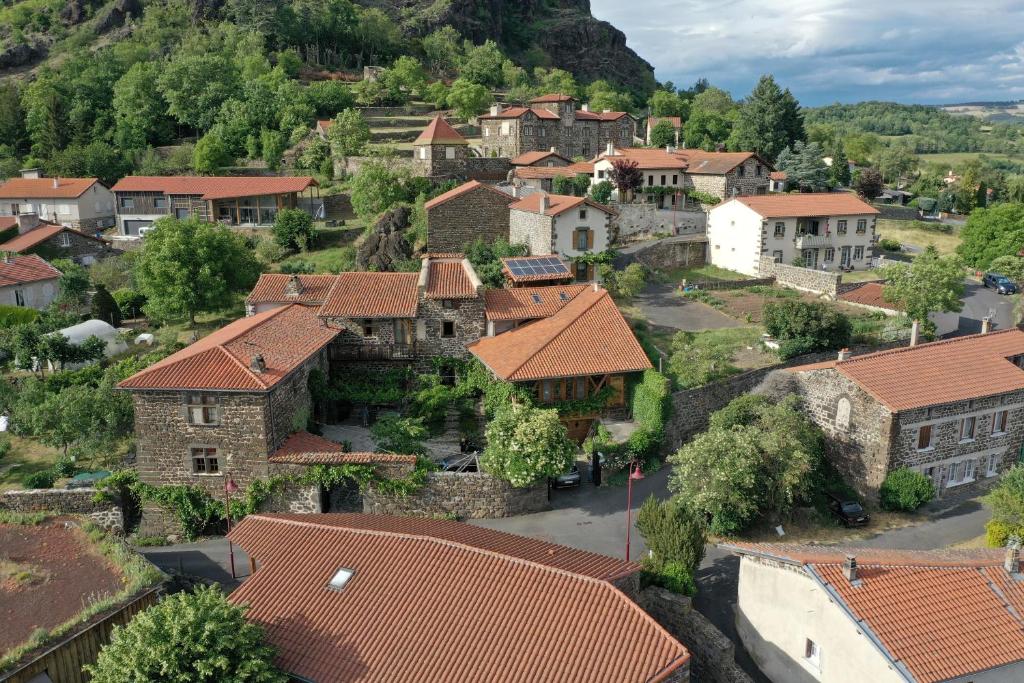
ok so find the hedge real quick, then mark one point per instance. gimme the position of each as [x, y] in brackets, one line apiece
[16, 315]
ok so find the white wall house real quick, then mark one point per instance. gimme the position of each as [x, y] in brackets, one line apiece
[564, 225]
[27, 280]
[82, 203]
[826, 231]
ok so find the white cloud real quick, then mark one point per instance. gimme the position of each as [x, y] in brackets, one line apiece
[825, 50]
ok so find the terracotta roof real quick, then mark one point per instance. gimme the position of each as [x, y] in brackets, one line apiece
[270, 288]
[676, 121]
[557, 204]
[463, 189]
[699, 162]
[439, 132]
[869, 294]
[216, 187]
[958, 369]
[516, 112]
[541, 172]
[584, 115]
[372, 295]
[530, 158]
[443, 254]
[303, 448]
[26, 268]
[533, 277]
[519, 303]
[38, 235]
[449, 280]
[434, 601]
[777, 175]
[28, 188]
[646, 158]
[810, 204]
[939, 615]
[325, 124]
[552, 97]
[588, 336]
[8, 222]
[286, 337]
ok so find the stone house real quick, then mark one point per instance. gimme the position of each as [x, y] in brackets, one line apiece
[460, 216]
[541, 159]
[440, 151]
[375, 597]
[571, 227]
[237, 201]
[825, 231]
[952, 410]
[274, 290]
[778, 181]
[848, 615]
[541, 178]
[27, 280]
[52, 240]
[507, 309]
[82, 203]
[553, 122]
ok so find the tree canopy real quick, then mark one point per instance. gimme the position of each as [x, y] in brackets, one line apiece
[526, 445]
[769, 120]
[930, 283]
[990, 233]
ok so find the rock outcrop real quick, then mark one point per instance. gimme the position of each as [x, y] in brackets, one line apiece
[387, 245]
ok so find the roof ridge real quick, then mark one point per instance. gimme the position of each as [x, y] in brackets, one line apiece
[561, 330]
[903, 349]
[247, 370]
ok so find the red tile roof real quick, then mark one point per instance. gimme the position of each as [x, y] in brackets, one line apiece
[530, 158]
[676, 121]
[38, 235]
[810, 204]
[216, 187]
[303, 448]
[533, 277]
[958, 369]
[449, 279]
[516, 112]
[463, 189]
[869, 294]
[26, 268]
[646, 158]
[439, 132]
[552, 97]
[434, 601]
[588, 336]
[941, 615]
[29, 188]
[557, 204]
[519, 304]
[777, 175]
[543, 172]
[270, 288]
[325, 124]
[8, 222]
[286, 337]
[583, 115]
[372, 295]
[699, 162]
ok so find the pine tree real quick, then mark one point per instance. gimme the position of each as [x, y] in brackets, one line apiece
[105, 308]
[769, 120]
[840, 171]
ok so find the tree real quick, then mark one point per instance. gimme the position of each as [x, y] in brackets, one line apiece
[467, 98]
[187, 638]
[377, 187]
[210, 154]
[196, 85]
[1007, 499]
[896, 161]
[526, 445]
[990, 233]
[97, 159]
[437, 94]
[663, 133]
[769, 120]
[407, 74]
[190, 266]
[486, 259]
[930, 283]
[839, 172]
[672, 532]
[482, 64]
[293, 229]
[556, 81]
[1010, 266]
[443, 49]
[712, 113]
[140, 112]
[804, 166]
[868, 183]
[625, 283]
[349, 134]
[105, 308]
[664, 103]
[602, 96]
[803, 326]
[626, 176]
[73, 283]
[601, 192]
[328, 97]
[273, 143]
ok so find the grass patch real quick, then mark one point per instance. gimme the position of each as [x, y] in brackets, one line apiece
[20, 574]
[919, 234]
[956, 158]
[149, 541]
[25, 458]
[705, 297]
[698, 273]
[711, 355]
[863, 275]
[23, 518]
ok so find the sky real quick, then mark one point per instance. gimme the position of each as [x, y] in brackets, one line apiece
[913, 51]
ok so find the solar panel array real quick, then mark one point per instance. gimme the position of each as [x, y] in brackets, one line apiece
[547, 265]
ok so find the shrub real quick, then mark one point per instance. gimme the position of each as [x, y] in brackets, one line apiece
[293, 229]
[526, 445]
[818, 326]
[998, 533]
[672, 576]
[130, 302]
[673, 532]
[1007, 498]
[905, 490]
[105, 308]
[889, 244]
[602, 192]
[269, 251]
[5, 445]
[40, 480]
[16, 315]
[65, 467]
[297, 267]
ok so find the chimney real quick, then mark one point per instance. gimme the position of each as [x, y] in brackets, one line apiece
[915, 330]
[986, 325]
[595, 287]
[27, 221]
[56, 183]
[1011, 562]
[585, 107]
[605, 111]
[844, 354]
[8, 256]
[610, 149]
[257, 364]
[293, 288]
[553, 150]
[495, 109]
[32, 173]
[850, 569]
[545, 204]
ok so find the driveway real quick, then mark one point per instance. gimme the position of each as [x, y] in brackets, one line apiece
[980, 302]
[663, 307]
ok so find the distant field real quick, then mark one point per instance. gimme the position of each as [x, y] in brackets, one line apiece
[911, 232]
[960, 157]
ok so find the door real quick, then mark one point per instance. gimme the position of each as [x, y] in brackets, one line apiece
[810, 257]
[845, 258]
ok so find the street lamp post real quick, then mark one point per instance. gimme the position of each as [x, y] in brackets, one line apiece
[230, 487]
[634, 473]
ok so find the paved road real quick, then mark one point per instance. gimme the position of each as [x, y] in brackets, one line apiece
[663, 308]
[980, 302]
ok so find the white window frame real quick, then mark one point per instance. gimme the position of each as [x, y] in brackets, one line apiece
[780, 228]
[992, 465]
[449, 152]
[202, 410]
[858, 253]
[423, 153]
[1005, 414]
[841, 227]
[812, 654]
[208, 453]
[973, 421]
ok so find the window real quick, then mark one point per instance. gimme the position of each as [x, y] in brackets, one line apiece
[993, 466]
[858, 253]
[19, 297]
[367, 328]
[450, 304]
[780, 229]
[758, 170]
[999, 422]
[127, 202]
[650, 180]
[841, 227]
[448, 328]
[504, 128]
[527, 130]
[205, 461]
[202, 409]
[862, 226]
[159, 202]
[423, 152]
[340, 578]
[843, 414]
[961, 472]
[583, 214]
[536, 298]
[967, 428]
[812, 653]
[777, 256]
[830, 255]
[582, 271]
[582, 239]
[675, 179]
[542, 132]
[65, 239]
[600, 174]
[663, 180]
[740, 170]
[924, 437]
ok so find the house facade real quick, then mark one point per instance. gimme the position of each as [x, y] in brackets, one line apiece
[52, 240]
[571, 227]
[553, 122]
[27, 280]
[440, 151]
[234, 201]
[902, 408]
[462, 215]
[825, 231]
[82, 203]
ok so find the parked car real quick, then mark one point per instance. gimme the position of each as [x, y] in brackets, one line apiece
[1000, 283]
[848, 511]
[567, 479]
[461, 463]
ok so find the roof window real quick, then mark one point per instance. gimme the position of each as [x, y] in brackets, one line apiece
[563, 296]
[340, 578]
[536, 298]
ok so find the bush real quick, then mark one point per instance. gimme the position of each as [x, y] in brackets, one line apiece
[5, 445]
[40, 480]
[998, 533]
[269, 251]
[130, 302]
[1007, 498]
[673, 533]
[293, 229]
[817, 326]
[526, 445]
[905, 490]
[16, 315]
[105, 308]
[64, 468]
[889, 244]
[296, 267]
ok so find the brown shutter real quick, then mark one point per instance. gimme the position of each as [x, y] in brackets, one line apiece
[590, 239]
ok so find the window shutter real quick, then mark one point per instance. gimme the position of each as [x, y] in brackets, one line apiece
[590, 239]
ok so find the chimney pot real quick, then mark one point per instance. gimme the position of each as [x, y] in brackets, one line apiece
[915, 330]
[595, 286]
[8, 257]
[257, 364]
[1011, 563]
[27, 221]
[850, 568]
[56, 183]
[495, 110]
[293, 288]
[553, 150]
[610, 149]
[545, 204]
[586, 107]
[844, 354]
[986, 325]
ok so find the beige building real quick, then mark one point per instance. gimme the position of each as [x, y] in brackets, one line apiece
[82, 203]
[857, 615]
[825, 231]
[563, 225]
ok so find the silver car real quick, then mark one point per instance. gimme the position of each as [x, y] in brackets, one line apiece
[567, 479]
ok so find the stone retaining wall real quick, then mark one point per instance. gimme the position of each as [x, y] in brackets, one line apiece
[468, 495]
[648, 219]
[803, 279]
[107, 515]
[672, 252]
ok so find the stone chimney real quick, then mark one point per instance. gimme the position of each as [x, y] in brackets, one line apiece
[553, 150]
[8, 256]
[844, 354]
[545, 203]
[986, 325]
[605, 111]
[56, 183]
[27, 221]
[293, 288]
[585, 107]
[257, 364]
[32, 173]
[610, 149]
[850, 569]
[915, 330]
[495, 109]
[1011, 562]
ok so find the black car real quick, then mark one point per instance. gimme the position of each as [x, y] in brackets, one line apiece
[1000, 283]
[567, 479]
[848, 511]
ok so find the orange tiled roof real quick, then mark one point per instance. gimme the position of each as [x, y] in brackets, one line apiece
[463, 189]
[26, 268]
[777, 175]
[868, 294]
[810, 204]
[557, 203]
[270, 288]
[372, 295]
[584, 115]
[552, 97]
[435, 601]
[439, 132]
[30, 188]
[941, 615]
[530, 158]
[215, 187]
[676, 121]
[519, 303]
[646, 158]
[699, 162]
[449, 280]
[516, 112]
[325, 124]
[303, 448]
[286, 337]
[944, 371]
[541, 172]
[588, 336]
[8, 222]
[38, 235]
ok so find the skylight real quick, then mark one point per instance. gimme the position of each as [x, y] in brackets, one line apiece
[340, 578]
[536, 298]
[563, 296]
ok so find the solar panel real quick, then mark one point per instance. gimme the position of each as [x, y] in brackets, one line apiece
[546, 265]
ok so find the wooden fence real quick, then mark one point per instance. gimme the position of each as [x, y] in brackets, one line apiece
[63, 661]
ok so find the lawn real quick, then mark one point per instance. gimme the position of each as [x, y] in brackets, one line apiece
[955, 158]
[26, 457]
[334, 253]
[918, 234]
[698, 273]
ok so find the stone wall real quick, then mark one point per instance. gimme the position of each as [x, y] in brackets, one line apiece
[533, 230]
[468, 495]
[671, 252]
[570, 136]
[482, 212]
[469, 325]
[647, 219]
[79, 247]
[107, 515]
[803, 279]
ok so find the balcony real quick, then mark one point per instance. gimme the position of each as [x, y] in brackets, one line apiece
[811, 241]
[349, 352]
